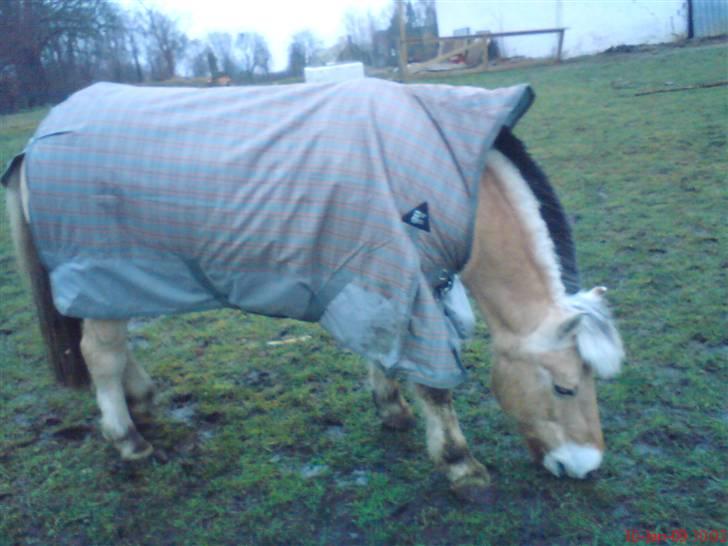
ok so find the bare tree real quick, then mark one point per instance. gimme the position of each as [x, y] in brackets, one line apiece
[303, 51]
[197, 58]
[166, 43]
[358, 26]
[221, 45]
[36, 30]
[253, 53]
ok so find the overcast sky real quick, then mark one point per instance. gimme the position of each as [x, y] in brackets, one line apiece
[276, 20]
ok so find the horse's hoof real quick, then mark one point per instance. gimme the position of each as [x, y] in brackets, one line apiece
[400, 421]
[475, 490]
[133, 446]
[135, 453]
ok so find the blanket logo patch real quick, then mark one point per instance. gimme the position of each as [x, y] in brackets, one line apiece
[418, 217]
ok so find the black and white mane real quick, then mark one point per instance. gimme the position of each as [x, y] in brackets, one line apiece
[597, 338]
[549, 206]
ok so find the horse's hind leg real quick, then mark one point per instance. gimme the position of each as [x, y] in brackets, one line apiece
[104, 348]
[393, 409]
[447, 446]
[138, 386]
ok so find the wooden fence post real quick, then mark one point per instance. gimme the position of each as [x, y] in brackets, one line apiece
[402, 42]
[560, 46]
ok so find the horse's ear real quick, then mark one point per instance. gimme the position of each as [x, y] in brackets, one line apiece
[597, 338]
[569, 327]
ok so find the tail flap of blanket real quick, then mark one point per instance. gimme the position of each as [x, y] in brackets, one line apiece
[10, 168]
[16, 160]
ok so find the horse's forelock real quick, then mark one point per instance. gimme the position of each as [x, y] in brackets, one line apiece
[597, 338]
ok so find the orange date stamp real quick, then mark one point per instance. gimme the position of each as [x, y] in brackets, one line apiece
[677, 536]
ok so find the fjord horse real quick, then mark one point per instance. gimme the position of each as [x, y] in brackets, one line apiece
[549, 339]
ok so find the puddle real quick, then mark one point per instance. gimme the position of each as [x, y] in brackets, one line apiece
[361, 477]
[358, 478]
[22, 421]
[138, 342]
[183, 408]
[645, 450]
[183, 413]
[206, 435]
[335, 432]
[313, 470]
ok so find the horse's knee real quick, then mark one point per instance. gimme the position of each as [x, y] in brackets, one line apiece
[103, 345]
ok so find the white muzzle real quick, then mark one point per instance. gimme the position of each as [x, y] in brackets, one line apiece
[573, 460]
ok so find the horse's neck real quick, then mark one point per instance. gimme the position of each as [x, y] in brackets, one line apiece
[510, 272]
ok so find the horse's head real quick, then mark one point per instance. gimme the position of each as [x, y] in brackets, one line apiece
[546, 382]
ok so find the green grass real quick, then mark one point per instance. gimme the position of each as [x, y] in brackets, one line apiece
[280, 445]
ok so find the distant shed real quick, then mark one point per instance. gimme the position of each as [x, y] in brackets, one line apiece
[593, 26]
[709, 18]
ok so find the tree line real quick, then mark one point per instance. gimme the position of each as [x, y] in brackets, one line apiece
[50, 48]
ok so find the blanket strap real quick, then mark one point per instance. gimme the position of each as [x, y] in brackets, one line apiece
[201, 278]
[443, 283]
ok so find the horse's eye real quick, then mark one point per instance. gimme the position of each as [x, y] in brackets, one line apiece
[563, 391]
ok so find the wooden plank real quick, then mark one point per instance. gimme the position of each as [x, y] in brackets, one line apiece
[453, 72]
[478, 69]
[444, 56]
[488, 35]
[480, 39]
[721, 83]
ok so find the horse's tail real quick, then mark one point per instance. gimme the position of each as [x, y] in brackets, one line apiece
[62, 334]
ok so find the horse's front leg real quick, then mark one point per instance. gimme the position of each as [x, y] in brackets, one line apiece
[393, 409]
[447, 446]
[103, 345]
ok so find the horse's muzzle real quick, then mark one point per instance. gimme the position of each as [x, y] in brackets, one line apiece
[573, 460]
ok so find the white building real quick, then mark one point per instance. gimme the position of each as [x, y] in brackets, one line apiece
[592, 25]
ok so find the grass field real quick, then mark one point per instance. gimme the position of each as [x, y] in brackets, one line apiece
[279, 444]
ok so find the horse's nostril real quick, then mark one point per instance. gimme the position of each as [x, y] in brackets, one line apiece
[562, 469]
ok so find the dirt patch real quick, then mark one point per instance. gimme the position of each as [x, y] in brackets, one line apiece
[258, 378]
[75, 433]
[710, 347]
[670, 435]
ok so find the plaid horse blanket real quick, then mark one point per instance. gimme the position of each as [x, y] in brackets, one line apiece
[351, 204]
